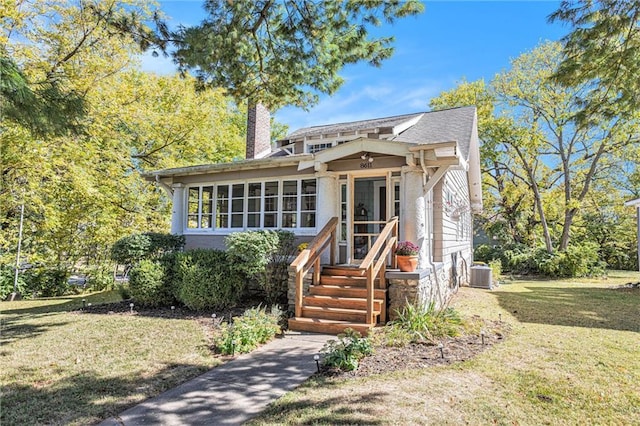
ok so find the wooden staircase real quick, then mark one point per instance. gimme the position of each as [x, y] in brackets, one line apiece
[339, 301]
[342, 297]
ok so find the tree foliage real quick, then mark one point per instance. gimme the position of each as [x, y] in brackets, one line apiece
[603, 52]
[286, 52]
[82, 190]
[553, 171]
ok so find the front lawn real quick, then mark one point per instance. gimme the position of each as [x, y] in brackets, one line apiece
[64, 366]
[572, 357]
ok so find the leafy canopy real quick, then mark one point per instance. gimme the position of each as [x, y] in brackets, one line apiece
[286, 52]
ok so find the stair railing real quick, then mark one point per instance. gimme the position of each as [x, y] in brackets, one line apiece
[310, 258]
[374, 263]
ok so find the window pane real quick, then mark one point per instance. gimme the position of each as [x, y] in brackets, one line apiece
[238, 190]
[223, 192]
[290, 187]
[271, 188]
[271, 204]
[236, 221]
[192, 221]
[222, 221]
[237, 206]
[254, 189]
[270, 220]
[308, 220]
[309, 202]
[253, 220]
[309, 186]
[289, 220]
[253, 204]
[206, 221]
[290, 204]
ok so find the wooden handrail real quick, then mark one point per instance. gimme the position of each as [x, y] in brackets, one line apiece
[375, 261]
[310, 257]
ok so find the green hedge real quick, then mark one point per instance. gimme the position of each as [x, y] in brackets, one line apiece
[148, 286]
[205, 279]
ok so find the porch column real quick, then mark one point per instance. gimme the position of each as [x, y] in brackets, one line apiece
[414, 227]
[327, 203]
[177, 214]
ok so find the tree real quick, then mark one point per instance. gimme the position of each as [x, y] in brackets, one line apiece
[603, 52]
[285, 52]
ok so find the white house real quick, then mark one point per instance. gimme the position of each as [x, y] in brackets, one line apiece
[342, 184]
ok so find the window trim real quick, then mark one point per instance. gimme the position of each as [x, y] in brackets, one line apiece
[214, 230]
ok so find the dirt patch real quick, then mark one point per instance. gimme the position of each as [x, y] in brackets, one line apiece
[628, 286]
[426, 354]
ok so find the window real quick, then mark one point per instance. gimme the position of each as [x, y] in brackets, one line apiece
[200, 207]
[253, 205]
[308, 204]
[289, 203]
[316, 147]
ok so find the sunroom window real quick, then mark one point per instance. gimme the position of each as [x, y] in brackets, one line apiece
[253, 205]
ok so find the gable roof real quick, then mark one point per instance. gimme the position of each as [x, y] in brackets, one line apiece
[455, 124]
[386, 123]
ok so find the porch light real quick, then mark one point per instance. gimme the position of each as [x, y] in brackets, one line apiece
[366, 157]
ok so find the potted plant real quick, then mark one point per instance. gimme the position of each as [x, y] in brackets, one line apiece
[407, 256]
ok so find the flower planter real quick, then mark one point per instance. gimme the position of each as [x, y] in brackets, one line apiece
[407, 263]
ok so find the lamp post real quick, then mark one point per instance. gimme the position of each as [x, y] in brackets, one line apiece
[14, 295]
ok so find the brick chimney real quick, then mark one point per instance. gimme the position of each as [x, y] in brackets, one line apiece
[258, 131]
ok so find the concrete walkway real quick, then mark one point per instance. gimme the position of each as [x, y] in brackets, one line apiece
[234, 392]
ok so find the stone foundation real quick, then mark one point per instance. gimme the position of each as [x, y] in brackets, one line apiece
[420, 287]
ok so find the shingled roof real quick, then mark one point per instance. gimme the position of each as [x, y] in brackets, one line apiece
[386, 122]
[455, 124]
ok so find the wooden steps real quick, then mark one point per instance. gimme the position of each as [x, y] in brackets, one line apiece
[338, 302]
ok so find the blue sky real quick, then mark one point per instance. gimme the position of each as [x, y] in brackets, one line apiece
[450, 41]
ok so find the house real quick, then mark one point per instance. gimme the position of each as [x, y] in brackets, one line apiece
[353, 190]
[636, 203]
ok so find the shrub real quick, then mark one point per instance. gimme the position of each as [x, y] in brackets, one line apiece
[391, 336]
[264, 256]
[204, 279]
[45, 281]
[253, 328]
[100, 278]
[428, 323]
[346, 352]
[496, 268]
[7, 276]
[130, 250]
[148, 286]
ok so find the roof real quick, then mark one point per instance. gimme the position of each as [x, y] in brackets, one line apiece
[455, 124]
[385, 122]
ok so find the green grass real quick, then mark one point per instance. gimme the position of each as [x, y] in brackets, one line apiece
[60, 366]
[572, 358]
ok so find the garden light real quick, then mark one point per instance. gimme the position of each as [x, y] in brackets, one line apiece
[316, 358]
[441, 347]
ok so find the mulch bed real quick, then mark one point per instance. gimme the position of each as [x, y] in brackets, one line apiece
[426, 354]
[383, 360]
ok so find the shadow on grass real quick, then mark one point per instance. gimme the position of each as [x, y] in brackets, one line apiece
[83, 398]
[13, 329]
[338, 410]
[615, 309]
[57, 304]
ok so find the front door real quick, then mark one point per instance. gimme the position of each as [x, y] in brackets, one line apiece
[368, 213]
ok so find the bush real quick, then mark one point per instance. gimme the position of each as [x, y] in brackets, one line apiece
[496, 268]
[428, 323]
[577, 261]
[7, 276]
[148, 286]
[44, 281]
[346, 352]
[204, 279]
[253, 328]
[264, 256]
[100, 278]
[130, 250]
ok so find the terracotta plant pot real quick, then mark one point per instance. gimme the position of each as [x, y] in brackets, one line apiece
[407, 263]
